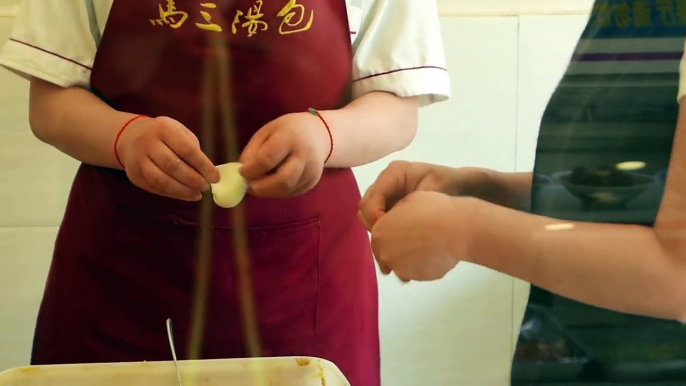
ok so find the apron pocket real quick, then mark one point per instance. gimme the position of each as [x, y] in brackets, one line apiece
[285, 266]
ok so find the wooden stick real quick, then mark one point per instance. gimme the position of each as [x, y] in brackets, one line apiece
[242, 254]
[204, 263]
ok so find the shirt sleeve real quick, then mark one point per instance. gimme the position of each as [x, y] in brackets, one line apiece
[52, 40]
[399, 49]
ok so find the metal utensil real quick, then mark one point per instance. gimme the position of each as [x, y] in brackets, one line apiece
[170, 335]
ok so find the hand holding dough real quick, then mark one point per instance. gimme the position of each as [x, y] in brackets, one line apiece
[231, 188]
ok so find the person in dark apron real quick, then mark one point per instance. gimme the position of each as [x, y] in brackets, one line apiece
[125, 258]
[607, 200]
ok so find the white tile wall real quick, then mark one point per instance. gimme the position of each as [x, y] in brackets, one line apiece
[459, 331]
[24, 262]
[34, 182]
[35, 178]
[546, 44]
[15, 352]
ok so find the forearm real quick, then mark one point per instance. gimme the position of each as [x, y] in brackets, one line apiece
[622, 267]
[370, 128]
[76, 122]
[512, 190]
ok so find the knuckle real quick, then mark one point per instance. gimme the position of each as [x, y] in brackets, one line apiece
[194, 180]
[184, 149]
[286, 182]
[363, 212]
[140, 142]
[398, 165]
[162, 121]
[159, 181]
[171, 164]
[153, 127]
[266, 159]
[184, 194]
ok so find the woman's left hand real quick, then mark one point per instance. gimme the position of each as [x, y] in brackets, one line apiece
[423, 237]
[286, 156]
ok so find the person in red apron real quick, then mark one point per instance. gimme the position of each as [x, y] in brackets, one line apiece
[125, 256]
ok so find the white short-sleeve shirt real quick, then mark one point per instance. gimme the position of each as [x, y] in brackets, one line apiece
[56, 40]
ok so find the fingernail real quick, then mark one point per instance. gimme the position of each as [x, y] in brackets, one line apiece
[197, 197]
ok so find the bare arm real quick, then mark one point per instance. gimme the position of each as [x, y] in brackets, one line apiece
[627, 268]
[512, 190]
[76, 122]
[161, 155]
[370, 128]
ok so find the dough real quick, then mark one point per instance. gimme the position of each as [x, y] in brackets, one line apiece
[231, 188]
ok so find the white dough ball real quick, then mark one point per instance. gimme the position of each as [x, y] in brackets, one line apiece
[231, 188]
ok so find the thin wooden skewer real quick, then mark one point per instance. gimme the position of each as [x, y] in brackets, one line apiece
[202, 280]
[245, 284]
[217, 73]
[245, 287]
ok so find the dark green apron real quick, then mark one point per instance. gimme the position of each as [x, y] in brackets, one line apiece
[603, 151]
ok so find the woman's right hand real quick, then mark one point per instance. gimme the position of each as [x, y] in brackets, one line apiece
[401, 178]
[162, 156]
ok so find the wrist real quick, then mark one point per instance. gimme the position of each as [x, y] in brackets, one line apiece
[468, 225]
[481, 182]
[127, 129]
[324, 136]
[491, 186]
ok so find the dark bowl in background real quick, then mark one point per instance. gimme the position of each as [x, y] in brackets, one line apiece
[606, 196]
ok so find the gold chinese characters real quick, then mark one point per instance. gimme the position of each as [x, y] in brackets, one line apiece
[294, 18]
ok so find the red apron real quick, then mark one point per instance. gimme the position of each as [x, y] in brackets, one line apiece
[125, 259]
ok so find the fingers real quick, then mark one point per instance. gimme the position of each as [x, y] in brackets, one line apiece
[261, 158]
[378, 245]
[381, 196]
[363, 221]
[191, 154]
[285, 182]
[172, 165]
[253, 145]
[386, 270]
[165, 158]
[149, 176]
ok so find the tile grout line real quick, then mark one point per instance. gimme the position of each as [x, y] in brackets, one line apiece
[513, 343]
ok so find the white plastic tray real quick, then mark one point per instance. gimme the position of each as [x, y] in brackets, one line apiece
[295, 371]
